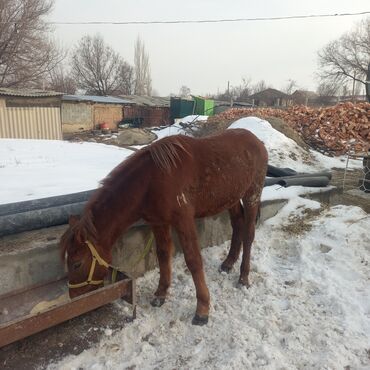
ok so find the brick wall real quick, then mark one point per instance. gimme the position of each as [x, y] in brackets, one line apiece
[107, 113]
[151, 116]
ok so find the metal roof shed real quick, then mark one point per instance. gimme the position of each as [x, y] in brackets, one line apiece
[147, 111]
[87, 112]
[30, 114]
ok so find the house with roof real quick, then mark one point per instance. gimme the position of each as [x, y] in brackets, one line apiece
[304, 97]
[271, 98]
[30, 114]
[89, 112]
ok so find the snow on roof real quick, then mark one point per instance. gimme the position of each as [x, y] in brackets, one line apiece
[150, 101]
[96, 99]
[29, 93]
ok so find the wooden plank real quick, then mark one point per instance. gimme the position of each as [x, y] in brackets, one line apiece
[28, 325]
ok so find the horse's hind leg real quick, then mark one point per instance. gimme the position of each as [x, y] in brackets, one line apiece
[164, 248]
[237, 223]
[250, 216]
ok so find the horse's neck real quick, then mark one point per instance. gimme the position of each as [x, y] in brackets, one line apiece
[114, 215]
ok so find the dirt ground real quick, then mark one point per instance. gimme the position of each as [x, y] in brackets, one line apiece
[124, 138]
[71, 337]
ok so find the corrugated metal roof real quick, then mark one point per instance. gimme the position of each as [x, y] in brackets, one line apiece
[29, 93]
[96, 99]
[150, 101]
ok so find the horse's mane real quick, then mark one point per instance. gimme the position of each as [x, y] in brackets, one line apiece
[166, 152]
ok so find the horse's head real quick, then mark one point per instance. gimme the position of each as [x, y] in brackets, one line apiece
[87, 262]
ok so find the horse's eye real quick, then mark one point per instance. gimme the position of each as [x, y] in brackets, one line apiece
[76, 265]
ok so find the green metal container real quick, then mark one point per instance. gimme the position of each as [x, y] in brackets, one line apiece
[204, 107]
[180, 108]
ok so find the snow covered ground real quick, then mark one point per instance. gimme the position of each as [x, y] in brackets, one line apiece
[31, 169]
[309, 303]
[308, 306]
[284, 152]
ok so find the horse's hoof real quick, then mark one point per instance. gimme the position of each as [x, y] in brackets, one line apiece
[242, 283]
[224, 268]
[199, 320]
[157, 301]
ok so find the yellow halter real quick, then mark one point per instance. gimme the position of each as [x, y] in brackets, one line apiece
[95, 258]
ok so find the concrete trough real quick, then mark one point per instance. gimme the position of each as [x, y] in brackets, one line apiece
[33, 257]
[20, 319]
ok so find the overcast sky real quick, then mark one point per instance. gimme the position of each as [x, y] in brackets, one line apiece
[206, 56]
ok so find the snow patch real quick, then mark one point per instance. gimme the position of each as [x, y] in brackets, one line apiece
[308, 306]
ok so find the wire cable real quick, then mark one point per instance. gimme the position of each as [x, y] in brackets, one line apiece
[186, 21]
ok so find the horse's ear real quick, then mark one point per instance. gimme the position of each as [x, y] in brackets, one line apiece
[73, 219]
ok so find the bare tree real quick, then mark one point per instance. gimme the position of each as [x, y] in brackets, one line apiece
[290, 87]
[328, 89]
[184, 91]
[127, 79]
[236, 93]
[98, 69]
[243, 91]
[346, 59]
[27, 53]
[259, 86]
[60, 80]
[327, 92]
[143, 81]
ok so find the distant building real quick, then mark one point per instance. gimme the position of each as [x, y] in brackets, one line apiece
[271, 98]
[30, 114]
[304, 97]
[146, 111]
[88, 112]
[222, 106]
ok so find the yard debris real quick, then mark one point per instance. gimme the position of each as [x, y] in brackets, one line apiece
[331, 130]
[135, 136]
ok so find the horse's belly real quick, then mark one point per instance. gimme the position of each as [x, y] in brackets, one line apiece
[216, 199]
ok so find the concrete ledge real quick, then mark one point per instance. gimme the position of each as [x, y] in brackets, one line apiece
[33, 257]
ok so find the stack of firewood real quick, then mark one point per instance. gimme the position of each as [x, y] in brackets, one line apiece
[332, 130]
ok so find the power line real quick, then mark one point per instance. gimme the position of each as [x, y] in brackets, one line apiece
[185, 21]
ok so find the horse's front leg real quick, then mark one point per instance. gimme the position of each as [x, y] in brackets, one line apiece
[164, 248]
[186, 231]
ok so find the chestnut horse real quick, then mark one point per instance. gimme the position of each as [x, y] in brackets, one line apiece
[168, 184]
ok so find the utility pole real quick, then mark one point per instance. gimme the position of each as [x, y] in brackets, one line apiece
[353, 87]
[228, 93]
[367, 86]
